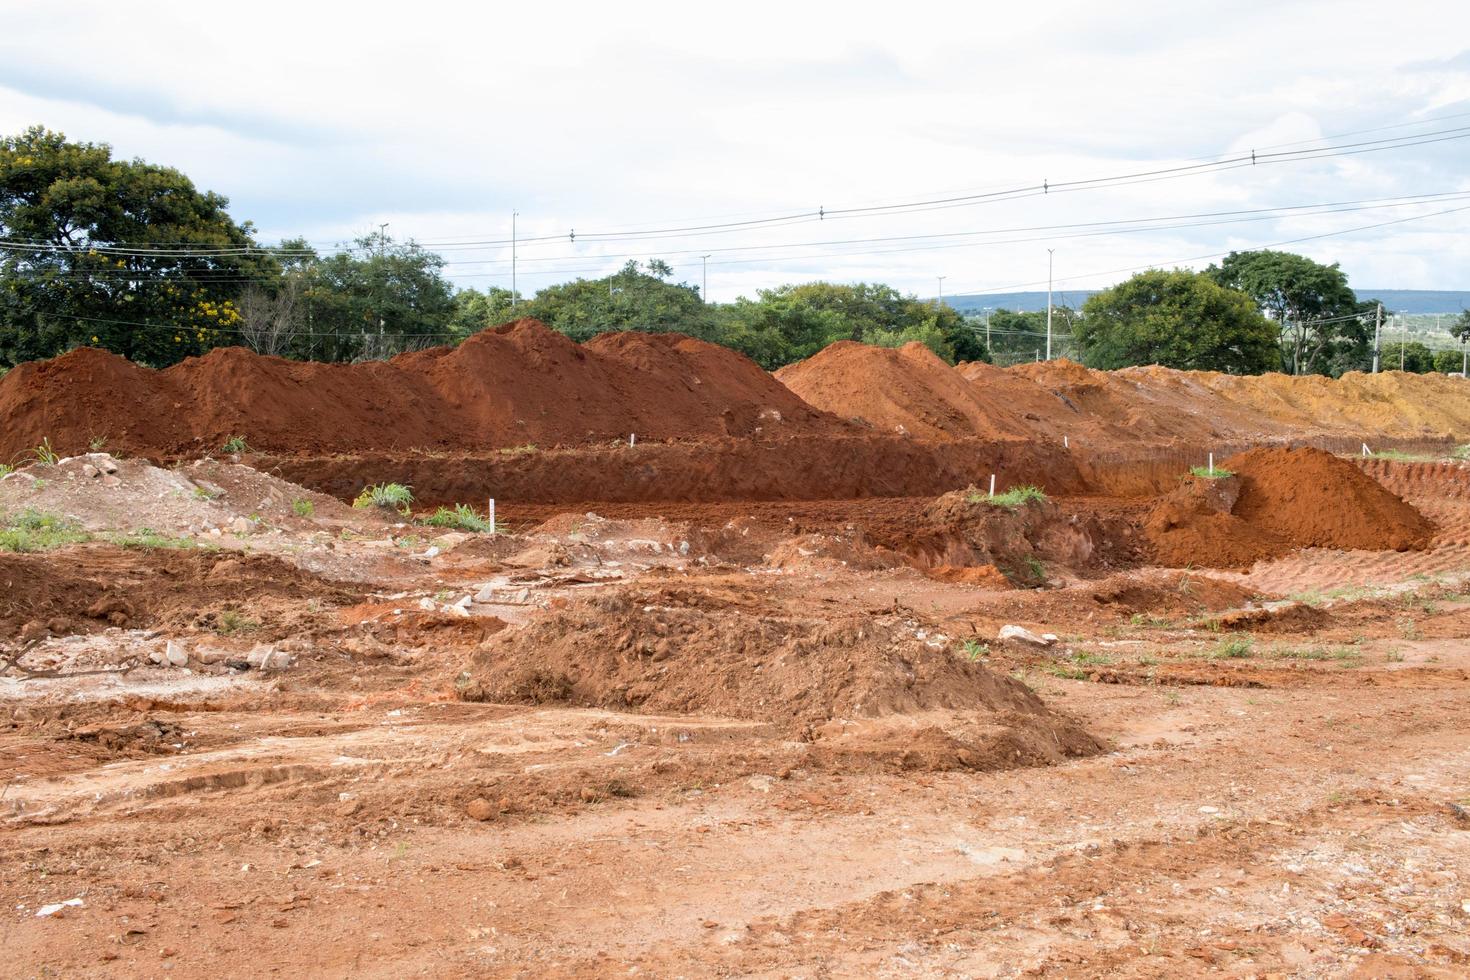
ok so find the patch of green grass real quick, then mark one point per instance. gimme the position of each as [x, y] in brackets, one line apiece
[145, 537]
[523, 450]
[204, 493]
[97, 443]
[1461, 452]
[1065, 672]
[389, 496]
[1146, 619]
[31, 530]
[975, 649]
[1234, 648]
[1348, 656]
[302, 507]
[1205, 473]
[1011, 499]
[45, 454]
[236, 444]
[229, 622]
[6, 469]
[1087, 657]
[1400, 456]
[460, 516]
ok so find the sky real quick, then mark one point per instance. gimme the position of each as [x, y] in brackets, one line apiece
[443, 119]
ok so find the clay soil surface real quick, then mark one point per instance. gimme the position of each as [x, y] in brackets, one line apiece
[250, 731]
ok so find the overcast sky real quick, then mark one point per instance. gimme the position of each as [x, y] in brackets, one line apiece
[324, 120]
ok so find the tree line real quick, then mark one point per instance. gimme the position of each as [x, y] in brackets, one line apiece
[131, 257]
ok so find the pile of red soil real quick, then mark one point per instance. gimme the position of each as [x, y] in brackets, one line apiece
[687, 651]
[1280, 500]
[908, 390]
[517, 384]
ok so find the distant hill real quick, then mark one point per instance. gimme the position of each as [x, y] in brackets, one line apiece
[1395, 300]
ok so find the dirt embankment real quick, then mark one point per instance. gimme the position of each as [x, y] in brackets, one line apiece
[1277, 501]
[515, 385]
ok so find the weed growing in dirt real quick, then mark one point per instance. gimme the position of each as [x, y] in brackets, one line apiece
[6, 469]
[1235, 648]
[974, 649]
[146, 537]
[45, 454]
[229, 622]
[1461, 452]
[302, 507]
[1394, 656]
[31, 530]
[524, 450]
[1399, 456]
[1205, 473]
[460, 516]
[236, 444]
[1087, 657]
[204, 493]
[1066, 672]
[1011, 499]
[97, 443]
[1145, 619]
[389, 496]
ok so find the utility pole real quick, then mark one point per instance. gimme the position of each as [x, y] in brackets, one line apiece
[382, 238]
[1050, 254]
[704, 293]
[1403, 340]
[514, 295]
[987, 332]
[941, 289]
[1377, 336]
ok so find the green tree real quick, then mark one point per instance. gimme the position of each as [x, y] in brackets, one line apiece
[374, 300]
[1449, 361]
[106, 252]
[795, 321]
[1322, 323]
[1410, 356]
[1461, 326]
[475, 311]
[1179, 319]
[633, 298]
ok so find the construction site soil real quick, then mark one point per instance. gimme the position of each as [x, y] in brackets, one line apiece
[776, 689]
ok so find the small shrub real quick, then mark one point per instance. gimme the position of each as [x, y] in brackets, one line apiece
[302, 507]
[389, 496]
[1204, 472]
[230, 622]
[460, 516]
[974, 649]
[236, 444]
[6, 469]
[45, 454]
[1011, 499]
[1235, 648]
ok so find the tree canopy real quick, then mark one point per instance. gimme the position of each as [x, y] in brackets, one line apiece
[1325, 330]
[1178, 319]
[102, 254]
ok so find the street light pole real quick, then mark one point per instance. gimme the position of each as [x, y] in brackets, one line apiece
[1050, 254]
[1377, 335]
[704, 293]
[514, 294]
[941, 288]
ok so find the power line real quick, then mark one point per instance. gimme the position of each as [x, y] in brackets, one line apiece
[1254, 158]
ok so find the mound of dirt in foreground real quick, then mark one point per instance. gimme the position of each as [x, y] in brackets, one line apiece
[709, 654]
[1280, 500]
[514, 385]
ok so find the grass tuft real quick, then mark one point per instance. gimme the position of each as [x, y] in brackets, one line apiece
[1011, 499]
[302, 507]
[45, 454]
[1235, 648]
[460, 516]
[389, 496]
[1204, 472]
[236, 444]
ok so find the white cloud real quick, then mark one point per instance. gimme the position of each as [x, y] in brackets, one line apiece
[325, 119]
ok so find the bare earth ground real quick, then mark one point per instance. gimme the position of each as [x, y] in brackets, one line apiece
[1281, 794]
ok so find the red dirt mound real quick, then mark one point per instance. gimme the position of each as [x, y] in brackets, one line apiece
[517, 384]
[1315, 499]
[1278, 501]
[725, 654]
[907, 390]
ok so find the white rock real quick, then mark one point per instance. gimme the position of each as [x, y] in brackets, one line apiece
[176, 654]
[241, 525]
[265, 657]
[486, 594]
[49, 910]
[1022, 635]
